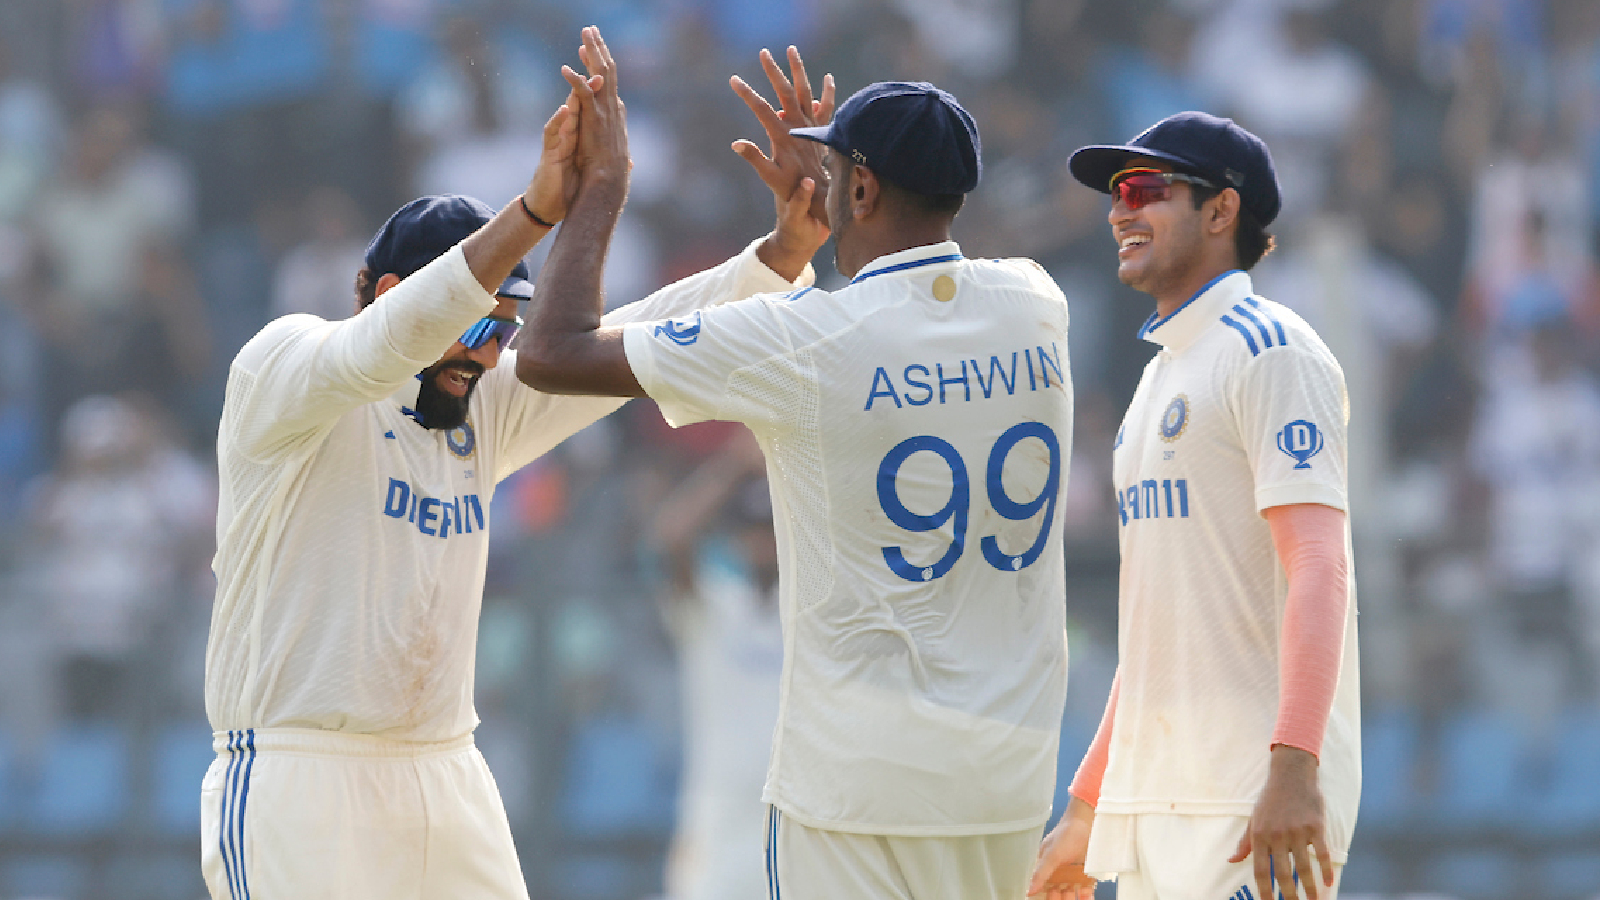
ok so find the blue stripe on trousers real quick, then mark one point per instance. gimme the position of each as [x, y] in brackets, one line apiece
[224, 829]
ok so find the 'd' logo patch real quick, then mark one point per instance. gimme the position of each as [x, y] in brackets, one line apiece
[682, 332]
[1175, 419]
[1300, 440]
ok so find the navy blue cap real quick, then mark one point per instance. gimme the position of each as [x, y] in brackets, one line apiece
[911, 133]
[1197, 143]
[422, 230]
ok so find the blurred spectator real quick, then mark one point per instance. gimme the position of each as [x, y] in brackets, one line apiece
[317, 275]
[716, 539]
[112, 299]
[475, 110]
[1530, 255]
[1150, 80]
[1298, 88]
[1536, 448]
[116, 535]
[118, 47]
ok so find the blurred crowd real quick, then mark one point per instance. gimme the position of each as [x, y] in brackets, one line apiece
[175, 173]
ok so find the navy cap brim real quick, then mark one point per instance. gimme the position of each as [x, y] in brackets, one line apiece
[520, 288]
[1095, 165]
[822, 134]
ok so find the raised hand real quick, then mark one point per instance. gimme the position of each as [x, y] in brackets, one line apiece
[555, 181]
[602, 145]
[794, 171]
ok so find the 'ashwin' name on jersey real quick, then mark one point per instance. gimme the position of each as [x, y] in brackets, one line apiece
[949, 382]
[432, 516]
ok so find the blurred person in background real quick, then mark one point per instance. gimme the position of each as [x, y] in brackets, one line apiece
[117, 535]
[714, 534]
[314, 275]
[108, 262]
[357, 461]
[1535, 451]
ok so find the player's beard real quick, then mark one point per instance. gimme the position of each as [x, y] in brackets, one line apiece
[439, 410]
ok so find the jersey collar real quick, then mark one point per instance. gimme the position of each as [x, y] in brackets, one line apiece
[915, 258]
[1187, 322]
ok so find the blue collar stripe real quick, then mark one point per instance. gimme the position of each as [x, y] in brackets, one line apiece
[1152, 323]
[914, 264]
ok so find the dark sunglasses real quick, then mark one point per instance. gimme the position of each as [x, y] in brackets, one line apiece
[491, 328]
[1141, 186]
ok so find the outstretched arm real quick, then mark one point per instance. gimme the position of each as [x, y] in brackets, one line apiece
[493, 250]
[566, 349]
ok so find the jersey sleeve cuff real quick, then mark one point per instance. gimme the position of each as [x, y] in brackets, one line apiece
[1288, 494]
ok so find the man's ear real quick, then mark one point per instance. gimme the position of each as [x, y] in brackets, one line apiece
[864, 192]
[386, 281]
[1224, 211]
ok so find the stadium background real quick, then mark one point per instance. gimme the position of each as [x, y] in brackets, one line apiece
[173, 173]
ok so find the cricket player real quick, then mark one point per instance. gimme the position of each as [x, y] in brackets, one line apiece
[916, 426]
[358, 459]
[1227, 764]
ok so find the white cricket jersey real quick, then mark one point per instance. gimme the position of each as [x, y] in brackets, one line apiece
[916, 425]
[351, 540]
[1243, 409]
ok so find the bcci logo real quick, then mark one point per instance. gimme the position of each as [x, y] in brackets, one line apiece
[461, 441]
[682, 332]
[1175, 419]
[1301, 440]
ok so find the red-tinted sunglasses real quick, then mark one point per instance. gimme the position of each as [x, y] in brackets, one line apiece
[1141, 186]
[491, 328]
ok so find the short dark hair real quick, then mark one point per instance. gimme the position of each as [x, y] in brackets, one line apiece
[1251, 241]
[923, 204]
[366, 289]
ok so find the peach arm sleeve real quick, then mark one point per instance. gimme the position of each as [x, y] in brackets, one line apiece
[1092, 770]
[1310, 541]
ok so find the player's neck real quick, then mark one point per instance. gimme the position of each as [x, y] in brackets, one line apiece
[1171, 297]
[867, 245]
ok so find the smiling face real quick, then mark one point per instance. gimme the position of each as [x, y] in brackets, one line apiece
[1160, 246]
[447, 385]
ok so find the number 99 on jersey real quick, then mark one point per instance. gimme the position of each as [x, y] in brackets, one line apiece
[957, 510]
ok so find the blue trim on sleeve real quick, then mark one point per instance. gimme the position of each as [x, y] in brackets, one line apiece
[1283, 339]
[1248, 338]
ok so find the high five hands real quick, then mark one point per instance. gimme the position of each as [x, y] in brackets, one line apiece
[601, 154]
[794, 171]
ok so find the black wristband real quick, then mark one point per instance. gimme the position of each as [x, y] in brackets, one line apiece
[531, 214]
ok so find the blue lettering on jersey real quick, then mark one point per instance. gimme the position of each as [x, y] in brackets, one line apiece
[882, 377]
[683, 331]
[919, 380]
[927, 390]
[432, 516]
[1300, 440]
[1144, 500]
[966, 388]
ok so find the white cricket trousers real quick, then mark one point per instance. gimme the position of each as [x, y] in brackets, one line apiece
[815, 864]
[1183, 857]
[318, 815]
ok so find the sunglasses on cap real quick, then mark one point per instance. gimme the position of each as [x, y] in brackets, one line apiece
[1141, 185]
[491, 328]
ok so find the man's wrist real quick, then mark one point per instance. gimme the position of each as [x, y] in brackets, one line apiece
[536, 218]
[776, 254]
